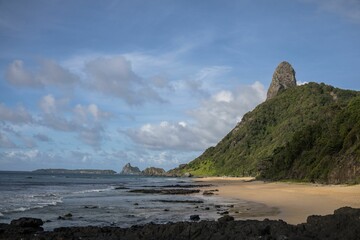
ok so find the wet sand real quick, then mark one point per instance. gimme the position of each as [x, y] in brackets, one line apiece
[295, 201]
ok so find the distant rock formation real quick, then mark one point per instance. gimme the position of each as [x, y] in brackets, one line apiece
[153, 171]
[283, 78]
[130, 170]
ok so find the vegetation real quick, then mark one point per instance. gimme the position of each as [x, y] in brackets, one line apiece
[307, 133]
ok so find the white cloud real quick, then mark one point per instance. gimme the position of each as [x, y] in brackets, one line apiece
[28, 142]
[224, 96]
[48, 104]
[211, 121]
[213, 72]
[114, 77]
[299, 83]
[202, 82]
[49, 73]
[5, 142]
[166, 135]
[88, 113]
[17, 75]
[19, 115]
[92, 136]
[84, 120]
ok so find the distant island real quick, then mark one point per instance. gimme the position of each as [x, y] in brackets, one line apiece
[75, 171]
[150, 171]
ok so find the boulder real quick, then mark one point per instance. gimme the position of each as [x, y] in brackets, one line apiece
[27, 222]
[194, 217]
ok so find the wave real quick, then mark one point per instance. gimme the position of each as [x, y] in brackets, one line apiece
[95, 190]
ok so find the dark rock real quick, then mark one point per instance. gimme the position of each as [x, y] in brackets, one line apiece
[343, 224]
[194, 217]
[183, 186]
[207, 208]
[283, 78]
[27, 222]
[120, 188]
[225, 218]
[91, 207]
[208, 193]
[67, 216]
[166, 210]
[179, 201]
[165, 191]
[136, 204]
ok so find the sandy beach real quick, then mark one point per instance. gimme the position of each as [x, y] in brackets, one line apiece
[295, 201]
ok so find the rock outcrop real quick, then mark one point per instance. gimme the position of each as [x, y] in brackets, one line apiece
[343, 224]
[153, 171]
[130, 170]
[283, 78]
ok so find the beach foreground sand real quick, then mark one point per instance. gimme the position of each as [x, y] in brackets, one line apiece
[296, 201]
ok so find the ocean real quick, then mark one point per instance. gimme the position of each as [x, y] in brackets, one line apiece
[99, 200]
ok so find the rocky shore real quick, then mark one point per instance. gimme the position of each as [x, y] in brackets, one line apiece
[343, 224]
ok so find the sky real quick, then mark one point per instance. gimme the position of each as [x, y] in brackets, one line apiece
[97, 84]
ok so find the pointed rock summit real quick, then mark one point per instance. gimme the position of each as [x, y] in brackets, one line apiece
[130, 170]
[283, 78]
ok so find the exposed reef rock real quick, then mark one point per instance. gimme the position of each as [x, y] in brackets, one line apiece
[130, 170]
[343, 224]
[283, 78]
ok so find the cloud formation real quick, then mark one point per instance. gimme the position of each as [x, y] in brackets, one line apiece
[84, 120]
[5, 142]
[114, 76]
[49, 73]
[19, 115]
[215, 117]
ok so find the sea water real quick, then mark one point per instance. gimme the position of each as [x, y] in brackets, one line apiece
[100, 200]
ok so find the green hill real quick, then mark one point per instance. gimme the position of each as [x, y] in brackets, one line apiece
[307, 133]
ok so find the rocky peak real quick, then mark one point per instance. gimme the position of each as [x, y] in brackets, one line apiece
[153, 171]
[283, 78]
[130, 170]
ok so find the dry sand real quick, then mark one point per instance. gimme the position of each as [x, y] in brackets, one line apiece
[296, 201]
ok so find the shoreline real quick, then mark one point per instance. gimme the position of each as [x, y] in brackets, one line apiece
[295, 201]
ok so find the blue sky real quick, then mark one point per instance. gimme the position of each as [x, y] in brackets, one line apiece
[97, 84]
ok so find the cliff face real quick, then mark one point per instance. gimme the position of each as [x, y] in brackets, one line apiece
[130, 170]
[283, 78]
[309, 133]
